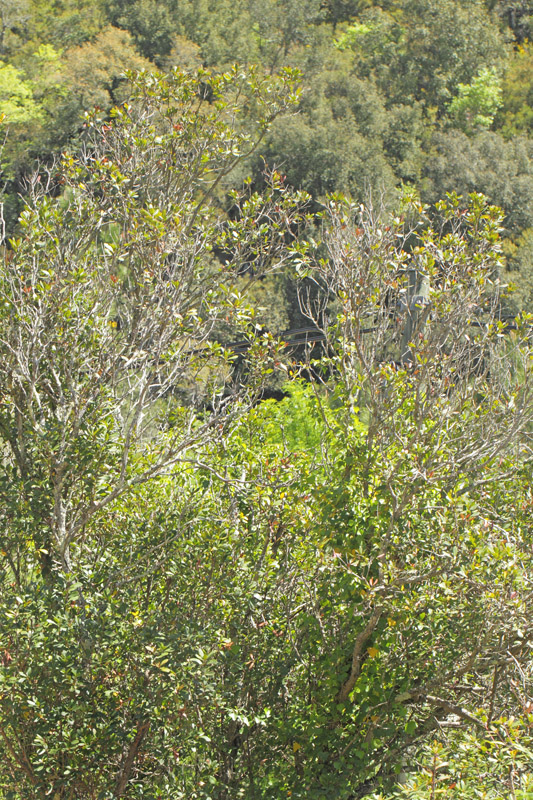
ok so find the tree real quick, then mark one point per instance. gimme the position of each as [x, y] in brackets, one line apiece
[476, 104]
[152, 24]
[16, 97]
[336, 143]
[111, 381]
[485, 163]
[92, 76]
[424, 595]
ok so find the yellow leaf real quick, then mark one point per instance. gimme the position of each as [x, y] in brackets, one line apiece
[373, 651]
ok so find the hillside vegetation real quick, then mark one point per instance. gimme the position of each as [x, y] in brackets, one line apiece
[208, 593]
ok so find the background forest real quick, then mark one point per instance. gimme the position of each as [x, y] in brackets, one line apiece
[437, 95]
[208, 594]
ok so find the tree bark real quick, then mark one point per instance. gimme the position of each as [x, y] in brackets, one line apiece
[133, 751]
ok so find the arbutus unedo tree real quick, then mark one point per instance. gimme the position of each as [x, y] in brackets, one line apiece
[111, 296]
[422, 591]
[112, 379]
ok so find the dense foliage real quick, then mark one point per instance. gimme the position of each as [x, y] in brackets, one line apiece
[208, 594]
[390, 90]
